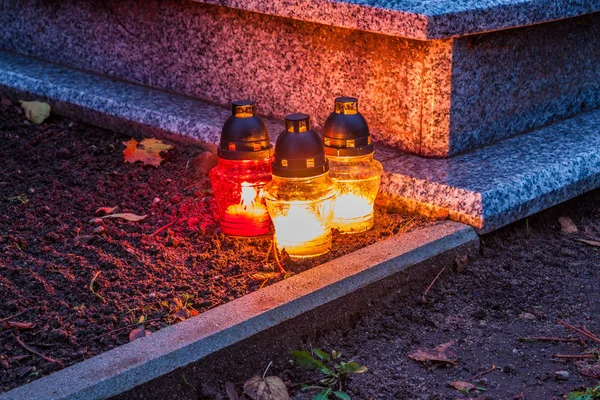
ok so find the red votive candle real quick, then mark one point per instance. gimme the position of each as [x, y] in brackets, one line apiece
[243, 170]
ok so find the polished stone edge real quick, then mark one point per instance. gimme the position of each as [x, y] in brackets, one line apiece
[142, 360]
[425, 20]
[502, 183]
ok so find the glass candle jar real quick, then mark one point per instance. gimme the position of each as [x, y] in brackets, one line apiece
[301, 196]
[244, 168]
[349, 149]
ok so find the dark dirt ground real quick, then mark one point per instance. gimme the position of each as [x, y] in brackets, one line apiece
[527, 277]
[53, 178]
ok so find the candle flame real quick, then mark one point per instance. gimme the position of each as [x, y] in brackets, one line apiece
[351, 206]
[301, 232]
[298, 226]
[249, 196]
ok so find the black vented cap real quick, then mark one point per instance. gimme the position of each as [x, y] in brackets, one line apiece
[299, 151]
[245, 135]
[346, 132]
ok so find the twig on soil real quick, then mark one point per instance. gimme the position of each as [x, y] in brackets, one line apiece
[125, 327]
[406, 224]
[92, 287]
[281, 269]
[583, 331]
[269, 251]
[482, 373]
[587, 331]
[268, 366]
[573, 356]
[187, 383]
[167, 226]
[549, 339]
[12, 316]
[424, 297]
[29, 349]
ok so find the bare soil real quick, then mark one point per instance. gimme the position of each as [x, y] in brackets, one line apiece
[528, 276]
[73, 286]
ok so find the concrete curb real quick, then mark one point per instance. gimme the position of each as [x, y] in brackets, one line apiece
[135, 363]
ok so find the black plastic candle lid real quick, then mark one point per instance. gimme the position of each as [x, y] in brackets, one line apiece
[299, 150]
[346, 132]
[245, 135]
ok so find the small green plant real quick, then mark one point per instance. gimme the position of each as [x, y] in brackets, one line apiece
[335, 372]
[589, 394]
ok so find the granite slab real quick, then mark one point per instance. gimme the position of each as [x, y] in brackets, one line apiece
[420, 19]
[509, 82]
[502, 183]
[218, 54]
[135, 363]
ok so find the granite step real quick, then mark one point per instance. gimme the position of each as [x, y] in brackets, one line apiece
[435, 77]
[487, 188]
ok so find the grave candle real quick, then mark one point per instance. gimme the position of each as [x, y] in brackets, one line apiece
[243, 170]
[349, 149]
[301, 195]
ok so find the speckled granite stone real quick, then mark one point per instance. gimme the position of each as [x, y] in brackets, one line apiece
[505, 83]
[420, 19]
[499, 184]
[218, 54]
[111, 103]
[434, 98]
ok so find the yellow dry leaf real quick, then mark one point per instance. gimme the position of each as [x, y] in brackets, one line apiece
[36, 111]
[147, 151]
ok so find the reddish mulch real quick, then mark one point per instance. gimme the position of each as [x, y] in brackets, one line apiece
[53, 179]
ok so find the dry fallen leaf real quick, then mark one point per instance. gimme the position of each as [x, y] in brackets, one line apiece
[594, 243]
[261, 276]
[127, 216]
[567, 225]
[591, 371]
[18, 325]
[465, 387]
[147, 151]
[36, 111]
[268, 388]
[106, 210]
[138, 333]
[441, 353]
[182, 314]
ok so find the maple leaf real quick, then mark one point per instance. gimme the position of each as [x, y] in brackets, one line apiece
[147, 151]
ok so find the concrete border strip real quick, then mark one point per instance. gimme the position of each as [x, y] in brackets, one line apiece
[135, 363]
